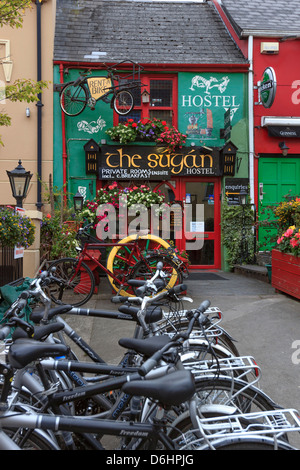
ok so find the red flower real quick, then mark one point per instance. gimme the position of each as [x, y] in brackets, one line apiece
[134, 124]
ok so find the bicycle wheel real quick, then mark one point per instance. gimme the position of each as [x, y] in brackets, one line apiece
[226, 391]
[73, 99]
[123, 102]
[145, 269]
[121, 259]
[188, 438]
[75, 283]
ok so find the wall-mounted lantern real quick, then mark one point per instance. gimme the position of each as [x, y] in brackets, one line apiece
[228, 159]
[284, 148]
[19, 180]
[78, 202]
[92, 155]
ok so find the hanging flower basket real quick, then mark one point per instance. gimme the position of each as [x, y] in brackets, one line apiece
[15, 229]
[147, 130]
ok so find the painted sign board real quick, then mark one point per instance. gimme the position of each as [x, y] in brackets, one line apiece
[156, 163]
[233, 187]
[203, 101]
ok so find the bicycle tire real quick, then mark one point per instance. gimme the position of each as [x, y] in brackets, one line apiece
[119, 257]
[123, 102]
[73, 99]
[72, 290]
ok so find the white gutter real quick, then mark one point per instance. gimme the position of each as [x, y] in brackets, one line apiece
[251, 118]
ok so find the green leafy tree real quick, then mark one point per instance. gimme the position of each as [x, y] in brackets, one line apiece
[12, 14]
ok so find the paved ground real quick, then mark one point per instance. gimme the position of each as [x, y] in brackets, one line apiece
[265, 324]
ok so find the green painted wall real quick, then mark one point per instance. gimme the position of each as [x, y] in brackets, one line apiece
[203, 99]
[90, 124]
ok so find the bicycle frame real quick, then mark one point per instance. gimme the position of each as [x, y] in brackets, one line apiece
[98, 246]
[135, 256]
[146, 432]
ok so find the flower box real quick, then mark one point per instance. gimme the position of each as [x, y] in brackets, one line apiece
[286, 273]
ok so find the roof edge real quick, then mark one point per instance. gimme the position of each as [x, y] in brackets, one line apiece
[234, 67]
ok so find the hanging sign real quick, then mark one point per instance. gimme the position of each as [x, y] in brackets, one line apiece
[267, 88]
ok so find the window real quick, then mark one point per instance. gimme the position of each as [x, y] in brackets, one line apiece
[162, 103]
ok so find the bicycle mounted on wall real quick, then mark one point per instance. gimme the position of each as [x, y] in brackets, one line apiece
[87, 90]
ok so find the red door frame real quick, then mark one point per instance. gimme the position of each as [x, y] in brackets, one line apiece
[216, 234]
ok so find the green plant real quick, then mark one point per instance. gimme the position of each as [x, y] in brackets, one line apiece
[288, 213]
[112, 194]
[57, 239]
[147, 129]
[234, 218]
[122, 133]
[279, 219]
[15, 229]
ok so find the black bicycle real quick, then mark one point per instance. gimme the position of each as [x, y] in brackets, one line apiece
[113, 88]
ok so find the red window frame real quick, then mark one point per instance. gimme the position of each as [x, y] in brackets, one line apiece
[145, 107]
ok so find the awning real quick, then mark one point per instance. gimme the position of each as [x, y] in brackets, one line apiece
[283, 127]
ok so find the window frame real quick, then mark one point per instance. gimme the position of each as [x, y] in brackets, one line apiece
[145, 107]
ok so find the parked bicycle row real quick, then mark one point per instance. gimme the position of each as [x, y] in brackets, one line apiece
[181, 384]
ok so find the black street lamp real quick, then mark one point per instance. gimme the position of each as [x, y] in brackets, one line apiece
[19, 180]
[78, 202]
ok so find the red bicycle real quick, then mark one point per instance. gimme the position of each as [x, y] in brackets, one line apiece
[134, 257]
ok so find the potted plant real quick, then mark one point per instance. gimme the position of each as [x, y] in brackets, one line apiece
[286, 255]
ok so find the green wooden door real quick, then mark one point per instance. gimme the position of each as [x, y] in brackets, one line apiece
[277, 177]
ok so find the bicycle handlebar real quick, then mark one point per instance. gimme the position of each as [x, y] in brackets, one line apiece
[153, 361]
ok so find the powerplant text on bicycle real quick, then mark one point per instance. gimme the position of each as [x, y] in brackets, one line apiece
[136, 162]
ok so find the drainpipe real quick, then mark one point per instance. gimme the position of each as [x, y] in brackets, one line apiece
[39, 106]
[251, 118]
[64, 146]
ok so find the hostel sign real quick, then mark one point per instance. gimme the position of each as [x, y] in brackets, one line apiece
[156, 163]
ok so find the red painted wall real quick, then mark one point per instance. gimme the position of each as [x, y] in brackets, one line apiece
[287, 100]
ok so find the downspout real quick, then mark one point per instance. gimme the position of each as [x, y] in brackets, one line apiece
[251, 118]
[64, 146]
[39, 107]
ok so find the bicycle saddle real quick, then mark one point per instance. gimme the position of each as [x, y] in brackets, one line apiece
[24, 351]
[172, 389]
[153, 314]
[40, 332]
[38, 313]
[147, 346]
